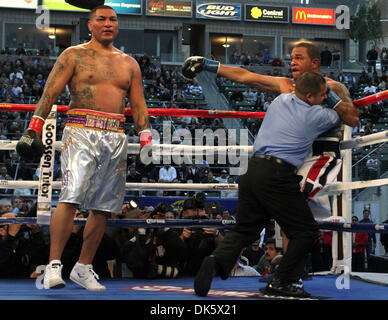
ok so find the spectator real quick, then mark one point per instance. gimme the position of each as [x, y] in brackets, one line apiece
[21, 250]
[242, 270]
[369, 89]
[326, 57]
[165, 95]
[204, 169]
[371, 56]
[361, 166]
[5, 206]
[236, 96]
[270, 259]
[16, 90]
[199, 242]
[132, 136]
[384, 59]
[3, 79]
[267, 102]
[351, 80]
[371, 245]
[5, 176]
[375, 112]
[133, 175]
[229, 194]
[167, 174]
[364, 78]
[359, 241]
[249, 95]
[266, 56]
[20, 192]
[16, 75]
[373, 166]
[193, 174]
[195, 89]
[368, 128]
[384, 240]
[253, 253]
[336, 53]
[223, 178]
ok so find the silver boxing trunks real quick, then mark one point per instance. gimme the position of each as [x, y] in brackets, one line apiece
[94, 160]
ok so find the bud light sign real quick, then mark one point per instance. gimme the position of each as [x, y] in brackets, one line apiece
[218, 10]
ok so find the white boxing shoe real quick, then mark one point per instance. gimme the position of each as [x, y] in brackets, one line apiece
[85, 276]
[53, 275]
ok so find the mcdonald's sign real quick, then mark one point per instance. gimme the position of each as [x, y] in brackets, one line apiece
[313, 16]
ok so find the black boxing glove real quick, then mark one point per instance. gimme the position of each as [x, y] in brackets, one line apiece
[30, 145]
[85, 4]
[196, 64]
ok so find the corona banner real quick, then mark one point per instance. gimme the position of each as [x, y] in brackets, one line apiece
[325, 17]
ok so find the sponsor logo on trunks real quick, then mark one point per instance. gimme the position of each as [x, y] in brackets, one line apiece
[96, 122]
[188, 290]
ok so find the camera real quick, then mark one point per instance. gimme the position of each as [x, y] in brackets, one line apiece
[195, 202]
[162, 207]
[213, 209]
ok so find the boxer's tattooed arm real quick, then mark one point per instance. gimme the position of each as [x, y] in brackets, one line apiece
[56, 82]
[347, 111]
[141, 121]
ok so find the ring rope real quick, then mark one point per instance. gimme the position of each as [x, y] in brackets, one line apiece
[212, 223]
[383, 95]
[134, 148]
[333, 189]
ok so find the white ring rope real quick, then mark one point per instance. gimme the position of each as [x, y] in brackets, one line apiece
[133, 148]
[332, 189]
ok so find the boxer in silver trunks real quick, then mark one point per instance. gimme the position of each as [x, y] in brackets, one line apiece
[100, 77]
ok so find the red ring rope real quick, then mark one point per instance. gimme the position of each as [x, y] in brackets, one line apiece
[383, 95]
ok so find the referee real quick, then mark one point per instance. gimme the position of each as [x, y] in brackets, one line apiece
[270, 187]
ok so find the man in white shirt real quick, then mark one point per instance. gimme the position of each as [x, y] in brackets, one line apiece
[370, 89]
[195, 89]
[167, 174]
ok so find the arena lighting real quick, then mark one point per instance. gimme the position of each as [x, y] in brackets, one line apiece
[226, 43]
[51, 36]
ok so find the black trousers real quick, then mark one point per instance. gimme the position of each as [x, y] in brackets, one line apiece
[269, 189]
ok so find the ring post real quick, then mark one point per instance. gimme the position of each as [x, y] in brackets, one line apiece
[47, 169]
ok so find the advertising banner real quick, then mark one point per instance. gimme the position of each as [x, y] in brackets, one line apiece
[325, 17]
[259, 13]
[120, 6]
[20, 4]
[169, 8]
[218, 10]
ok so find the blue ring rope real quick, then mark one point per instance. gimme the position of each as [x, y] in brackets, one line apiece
[183, 223]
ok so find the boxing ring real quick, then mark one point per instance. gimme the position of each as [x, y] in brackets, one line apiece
[339, 283]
